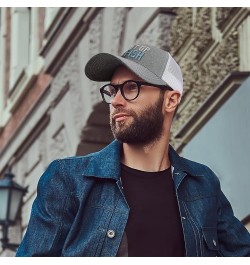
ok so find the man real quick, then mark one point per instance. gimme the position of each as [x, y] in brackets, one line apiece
[136, 197]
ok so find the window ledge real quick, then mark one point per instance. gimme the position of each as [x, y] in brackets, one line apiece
[4, 119]
[26, 79]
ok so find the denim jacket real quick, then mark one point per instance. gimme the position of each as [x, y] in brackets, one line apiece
[80, 209]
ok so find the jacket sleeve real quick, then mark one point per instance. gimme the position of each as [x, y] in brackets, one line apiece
[51, 216]
[234, 239]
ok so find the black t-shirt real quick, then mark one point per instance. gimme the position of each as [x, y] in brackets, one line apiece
[154, 225]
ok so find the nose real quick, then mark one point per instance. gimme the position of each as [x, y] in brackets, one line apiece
[118, 100]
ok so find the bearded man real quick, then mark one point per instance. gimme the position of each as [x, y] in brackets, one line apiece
[137, 197]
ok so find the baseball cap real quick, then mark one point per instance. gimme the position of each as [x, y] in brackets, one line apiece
[150, 63]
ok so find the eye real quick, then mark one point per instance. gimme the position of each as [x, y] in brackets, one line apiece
[107, 93]
[130, 86]
[110, 90]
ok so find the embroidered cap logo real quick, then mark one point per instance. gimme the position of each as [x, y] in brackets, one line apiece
[136, 53]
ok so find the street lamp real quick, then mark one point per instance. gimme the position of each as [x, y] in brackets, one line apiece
[11, 195]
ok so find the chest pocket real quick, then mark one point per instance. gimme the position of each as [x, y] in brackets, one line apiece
[210, 242]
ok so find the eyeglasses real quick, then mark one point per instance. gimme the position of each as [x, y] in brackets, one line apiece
[130, 90]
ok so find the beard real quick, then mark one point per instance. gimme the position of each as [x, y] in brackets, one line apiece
[145, 128]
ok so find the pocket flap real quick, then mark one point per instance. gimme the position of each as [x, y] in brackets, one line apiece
[211, 237]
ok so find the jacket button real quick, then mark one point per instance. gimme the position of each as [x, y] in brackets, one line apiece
[214, 242]
[111, 233]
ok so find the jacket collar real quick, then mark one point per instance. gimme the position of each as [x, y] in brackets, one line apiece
[106, 163]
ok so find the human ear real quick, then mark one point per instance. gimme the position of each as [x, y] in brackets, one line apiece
[172, 100]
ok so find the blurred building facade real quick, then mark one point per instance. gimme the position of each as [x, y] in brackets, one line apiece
[49, 109]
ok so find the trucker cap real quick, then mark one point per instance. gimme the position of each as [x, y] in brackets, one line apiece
[150, 63]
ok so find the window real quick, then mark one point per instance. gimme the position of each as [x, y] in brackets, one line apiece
[20, 42]
[50, 14]
[2, 23]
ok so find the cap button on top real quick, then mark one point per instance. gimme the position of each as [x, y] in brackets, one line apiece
[111, 233]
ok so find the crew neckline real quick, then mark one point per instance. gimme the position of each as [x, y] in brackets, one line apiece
[139, 172]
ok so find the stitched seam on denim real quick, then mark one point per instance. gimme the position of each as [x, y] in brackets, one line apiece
[197, 231]
[187, 213]
[179, 203]
[111, 216]
[101, 230]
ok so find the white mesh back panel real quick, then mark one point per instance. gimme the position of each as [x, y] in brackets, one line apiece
[173, 76]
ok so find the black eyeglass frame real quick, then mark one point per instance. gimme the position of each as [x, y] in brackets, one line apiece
[138, 83]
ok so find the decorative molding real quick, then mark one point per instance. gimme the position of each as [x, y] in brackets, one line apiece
[19, 90]
[244, 44]
[164, 30]
[42, 146]
[216, 33]
[201, 80]
[189, 66]
[73, 25]
[59, 146]
[95, 37]
[74, 71]
[59, 86]
[153, 14]
[20, 168]
[61, 93]
[56, 28]
[222, 62]
[181, 29]
[120, 16]
[66, 83]
[34, 166]
[157, 33]
[235, 20]
[224, 14]
[207, 109]
[57, 22]
[15, 145]
[202, 30]
[33, 134]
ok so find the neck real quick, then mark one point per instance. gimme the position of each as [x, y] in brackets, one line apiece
[152, 157]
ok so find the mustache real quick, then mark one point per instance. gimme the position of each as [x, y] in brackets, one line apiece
[121, 110]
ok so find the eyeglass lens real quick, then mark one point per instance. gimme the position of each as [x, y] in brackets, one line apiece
[129, 90]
